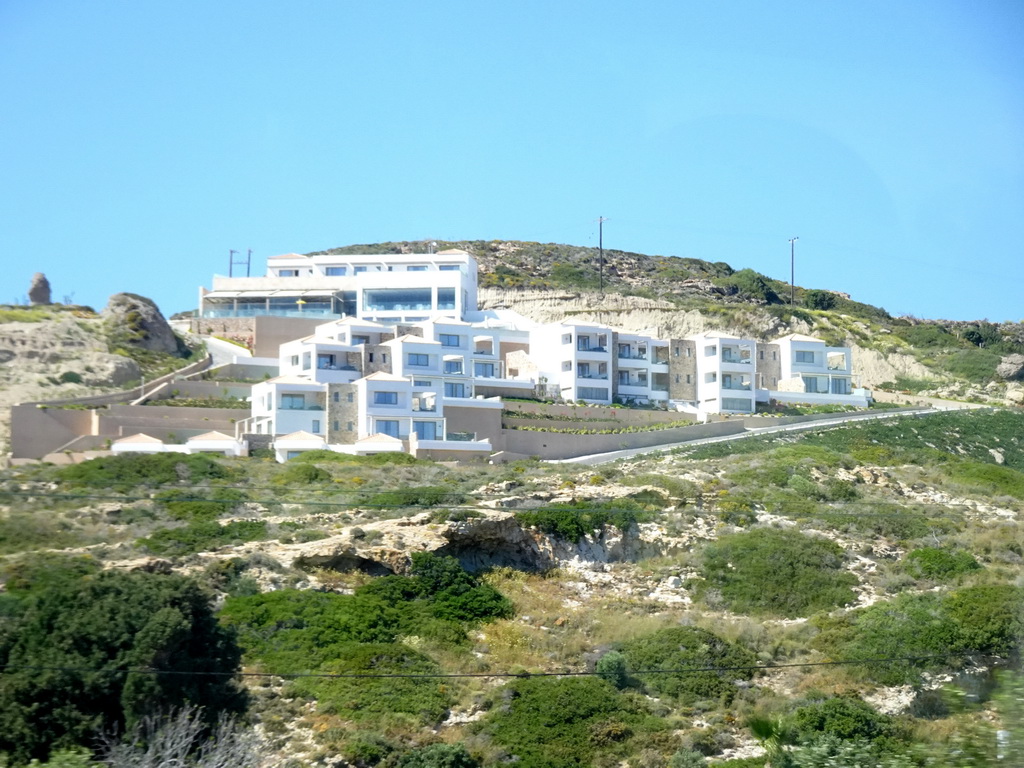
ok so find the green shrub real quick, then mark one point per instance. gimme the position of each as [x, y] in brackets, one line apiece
[906, 626]
[134, 469]
[681, 650]
[844, 717]
[989, 618]
[203, 535]
[560, 722]
[819, 299]
[301, 474]
[192, 505]
[977, 365]
[333, 457]
[70, 377]
[424, 496]
[574, 520]
[613, 669]
[92, 624]
[939, 564]
[368, 692]
[438, 756]
[989, 478]
[777, 572]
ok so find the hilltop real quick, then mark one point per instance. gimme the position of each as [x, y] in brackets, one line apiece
[962, 359]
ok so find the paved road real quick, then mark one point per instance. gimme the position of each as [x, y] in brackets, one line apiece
[222, 352]
[603, 458]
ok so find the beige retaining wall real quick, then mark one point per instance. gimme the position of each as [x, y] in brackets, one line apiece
[560, 445]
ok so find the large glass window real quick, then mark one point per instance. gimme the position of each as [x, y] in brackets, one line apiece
[449, 268]
[592, 393]
[804, 356]
[484, 370]
[385, 398]
[453, 366]
[393, 299]
[454, 389]
[425, 430]
[387, 427]
[737, 404]
[418, 358]
[445, 298]
[449, 340]
[293, 402]
[336, 271]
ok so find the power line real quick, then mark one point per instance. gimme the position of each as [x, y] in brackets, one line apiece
[454, 675]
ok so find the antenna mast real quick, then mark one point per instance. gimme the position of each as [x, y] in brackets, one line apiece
[232, 261]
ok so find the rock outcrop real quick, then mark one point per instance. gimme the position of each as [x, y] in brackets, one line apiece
[136, 321]
[39, 290]
[1011, 368]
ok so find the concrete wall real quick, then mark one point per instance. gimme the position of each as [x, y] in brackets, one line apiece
[555, 445]
[269, 332]
[200, 388]
[36, 432]
[633, 417]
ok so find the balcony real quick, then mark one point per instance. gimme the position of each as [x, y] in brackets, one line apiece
[632, 356]
[603, 376]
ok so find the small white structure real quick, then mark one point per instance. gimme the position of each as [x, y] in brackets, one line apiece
[289, 446]
[142, 443]
[217, 442]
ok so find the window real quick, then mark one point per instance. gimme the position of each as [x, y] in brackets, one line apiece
[804, 356]
[425, 430]
[710, 351]
[387, 427]
[445, 298]
[592, 393]
[422, 383]
[336, 271]
[677, 378]
[350, 396]
[336, 425]
[736, 404]
[336, 397]
[689, 352]
[288, 273]
[292, 454]
[567, 365]
[359, 270]
[385, 398]
[454, 389]
[689, 379]
[624, 377]
[449, 340]
[484, 370]
[449, 267]
[307, 360]
[294, 360]
[583, 342]
[418, 358]
[453, 366]
[675, 351]
[419, 268]
[760, 354]
[583, 370]
[326, 362]
[356, 340]
[293, 402]
[349, 426]
[316, 426]
[567, 338]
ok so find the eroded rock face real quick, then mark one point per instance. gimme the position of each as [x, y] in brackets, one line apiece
[1011, 368]
[39, 290]
[138, 322]
[494, 539]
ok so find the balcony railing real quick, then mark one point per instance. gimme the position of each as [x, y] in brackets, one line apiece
[592, 376]
[460, 437]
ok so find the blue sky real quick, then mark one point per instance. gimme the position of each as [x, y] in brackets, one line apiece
[140, 141]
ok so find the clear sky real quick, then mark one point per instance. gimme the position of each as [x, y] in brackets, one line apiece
[140, 141]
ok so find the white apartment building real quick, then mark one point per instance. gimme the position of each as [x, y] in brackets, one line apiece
[384, 287]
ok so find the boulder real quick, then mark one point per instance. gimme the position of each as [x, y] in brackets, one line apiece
[39, 290]
[137, 322]
[1011, 368]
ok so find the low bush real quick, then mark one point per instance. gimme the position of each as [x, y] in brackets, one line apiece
[989, 618]
[364, 691]
[563, 722]
[777, 572]
[574, 520]
[424, 496]
[438, 756]
[682, 652]
[301, 474]
[192, 505]
[135, 469]
[203, 535]
[844, 717]
[939, 564]
[377, 459]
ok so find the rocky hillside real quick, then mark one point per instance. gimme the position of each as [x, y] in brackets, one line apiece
[960, 359]
[856, 589]
[57, 351]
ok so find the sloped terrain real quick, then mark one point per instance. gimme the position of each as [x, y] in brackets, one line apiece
[851, 594]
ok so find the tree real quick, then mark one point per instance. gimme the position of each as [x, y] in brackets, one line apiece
[88, 651]
[819, 299]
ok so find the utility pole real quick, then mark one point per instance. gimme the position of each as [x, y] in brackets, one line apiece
[600, 247]
[792, 270]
